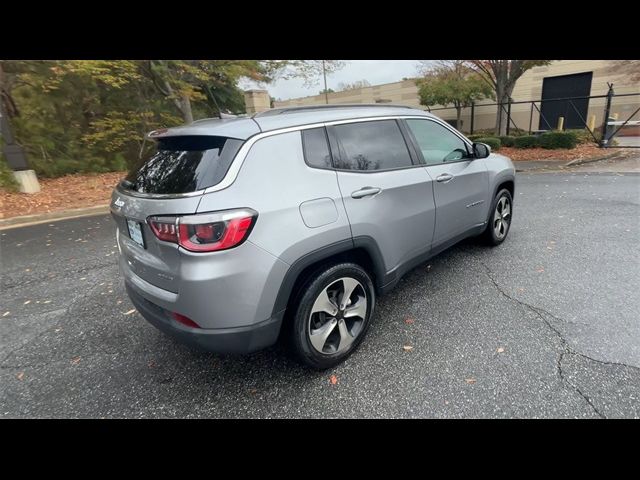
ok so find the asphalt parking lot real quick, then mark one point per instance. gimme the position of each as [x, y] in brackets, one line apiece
[546, 325]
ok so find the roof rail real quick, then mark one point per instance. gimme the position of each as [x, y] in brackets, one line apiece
[221, 117]
[284, 110]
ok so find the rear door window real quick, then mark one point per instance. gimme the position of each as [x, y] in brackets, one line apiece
[373, 145]
[183, 164]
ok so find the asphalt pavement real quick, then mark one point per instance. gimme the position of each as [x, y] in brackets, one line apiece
[546, 325]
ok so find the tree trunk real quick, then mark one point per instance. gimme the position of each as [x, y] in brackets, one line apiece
[504, 89]
[501, 97]
[181, 101]
[458, 117]
[185, 108]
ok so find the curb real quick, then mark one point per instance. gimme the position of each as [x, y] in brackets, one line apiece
[37, 218]
[580, 161]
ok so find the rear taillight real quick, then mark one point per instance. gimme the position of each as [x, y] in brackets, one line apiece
[207, 232]
[166, 229]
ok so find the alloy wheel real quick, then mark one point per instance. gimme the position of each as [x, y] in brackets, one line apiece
[502, 217]
[338, 316]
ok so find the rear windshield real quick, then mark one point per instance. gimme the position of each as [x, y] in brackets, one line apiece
[183, 164]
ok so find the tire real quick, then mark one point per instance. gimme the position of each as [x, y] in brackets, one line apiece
[321, 339]
[498, 224]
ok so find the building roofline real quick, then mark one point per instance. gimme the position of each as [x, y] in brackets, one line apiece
[413, 79]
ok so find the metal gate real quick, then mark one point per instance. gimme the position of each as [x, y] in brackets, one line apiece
[620, 132]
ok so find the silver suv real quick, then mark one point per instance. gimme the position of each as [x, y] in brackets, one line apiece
[289, 223]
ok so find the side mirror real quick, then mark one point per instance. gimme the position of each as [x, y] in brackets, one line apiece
[481, 150]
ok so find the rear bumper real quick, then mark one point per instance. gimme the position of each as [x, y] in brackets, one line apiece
[238, 340]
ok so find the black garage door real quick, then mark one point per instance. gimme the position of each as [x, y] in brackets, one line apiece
[578, 85]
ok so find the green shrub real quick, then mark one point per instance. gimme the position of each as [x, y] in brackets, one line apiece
[582, 135]
[517, 132]
[526, 141]
[118, 163]
[475, 136]
[7, 180]
[554, 140]
[507, 141]
[484, 132]
[493, 142]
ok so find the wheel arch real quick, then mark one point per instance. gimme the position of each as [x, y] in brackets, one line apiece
[362, 252]
[508, 183]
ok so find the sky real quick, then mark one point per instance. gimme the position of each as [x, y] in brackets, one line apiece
[374, 71]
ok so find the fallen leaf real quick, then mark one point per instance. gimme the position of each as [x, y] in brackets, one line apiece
[521, 289]
[20, 376]
[27, 302]
[407, 348]
[47, 301]
[409, 321]
[549, 248]
[151, 364]
[446, 402]
[333, 379]
[27, 269]
[253, 391]
[470, 380]
[57, 330]
[75, 360]
[5, 314]
[500, 350]
[540, 270]
[130, 311]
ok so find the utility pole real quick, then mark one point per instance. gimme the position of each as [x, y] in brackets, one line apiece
[324, 73]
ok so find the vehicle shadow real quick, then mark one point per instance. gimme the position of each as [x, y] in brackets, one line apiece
[278, 358]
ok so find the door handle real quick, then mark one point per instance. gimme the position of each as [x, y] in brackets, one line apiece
[366, 192]
[445, 177]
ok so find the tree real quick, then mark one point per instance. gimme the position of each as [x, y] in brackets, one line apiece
[501, 76]
[93, 115]
[452, 82]
[325, 91]
[353, 86]
[185, 81]
[310, 71]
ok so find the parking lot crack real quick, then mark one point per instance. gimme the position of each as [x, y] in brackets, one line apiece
[603, 362]
[536, 310]
[565, 347]
[573, 386]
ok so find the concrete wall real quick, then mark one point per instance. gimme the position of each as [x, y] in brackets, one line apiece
[257, 101]
[528, 87]
[403, 93]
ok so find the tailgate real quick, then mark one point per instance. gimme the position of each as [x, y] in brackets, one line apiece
[156, 262]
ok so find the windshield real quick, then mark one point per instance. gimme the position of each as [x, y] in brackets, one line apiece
[183, 164]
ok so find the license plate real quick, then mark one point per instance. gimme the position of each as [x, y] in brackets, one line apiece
[135, 232]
